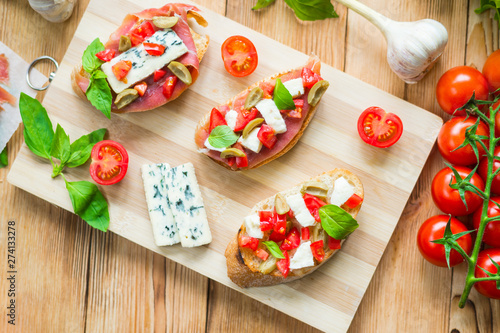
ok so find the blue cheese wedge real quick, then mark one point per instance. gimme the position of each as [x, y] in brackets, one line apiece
[144, 64]
[272, 115]
[187, 206]
[164, 228]
[295, 87]
[303, 257]
[299, 208]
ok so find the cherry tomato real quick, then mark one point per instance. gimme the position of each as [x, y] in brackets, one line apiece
[262, 254]
[141, 32]
[109, 162]
[318, 251]
[354, 201]
[448, 199]
[241, 162]
[305, 234]
[483, 171]
[266, 136]
[250, 242]
[313, 204]
[452, 135]
[497, 118]
[244, 117]
[309, 78]
[267, 220]
[292, 240]
[154, 49]
[487, 288]
[216, 119]
[492, 232]
[433, 228]
[169, 86]
[159, 74]
[121, 69]
[106, 55]
[280, 225]
[239, 56]
[283, 265]
[456, 86]
[333, 244]
[378, 128]
[491, 70]
[141, 88]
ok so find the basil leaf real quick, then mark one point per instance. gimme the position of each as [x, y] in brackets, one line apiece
[81, 148]
[89, 61]
[38, 131]
[262, 4]
[282, 97]
[89, 203]
[4, 158]
[60, 145]
[222, 137]
[98, 74]
[99, 95]
[337, 222]
[312, 10]
[490, 4]
[274, 249]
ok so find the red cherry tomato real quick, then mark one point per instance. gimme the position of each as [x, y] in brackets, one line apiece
[154, 49]
[313, 204]
[106, 55]
[448, 199]
[262, 254]
[492, 232]
[305, 234]
[141, 88]
[309, 78]
[483, 171]
[491, 70]
[216, 119]
[432, 229]
[239, 56]
[169, 86]
[353, 201]
[250, 242]
[456, 86]
[121, 69]
[109, 162]
[318, 251]
[266, 136]
[267, 220]
[333, 244]
[378, 128]
[141, 32]
[283, 265]
[497, 118]
[452, 135]
[159, 74]
[244, 117]
[487, 288]
[292, 240]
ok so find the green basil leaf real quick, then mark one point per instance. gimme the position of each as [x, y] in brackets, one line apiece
[282, 97]
[82, 147]
[274, 249]
[4, 158]
[98, 74]
[60, 145]
[337, 222]
[487, 5]
[99, 95]
[222, 137]
[89, 203]
[312, 10]
[38, 131]
[89, 61]
[262, 4]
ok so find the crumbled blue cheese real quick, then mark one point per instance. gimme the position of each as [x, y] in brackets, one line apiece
[252, 225]
[295, 87]
[342, 191]
[164, 228]
[272, 115]
[144, 64]
[303, 257]
[252, 142]
[299, 208]
[231, 117]
[187, 206]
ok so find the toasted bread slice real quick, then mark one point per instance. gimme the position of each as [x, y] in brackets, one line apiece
[242, 263]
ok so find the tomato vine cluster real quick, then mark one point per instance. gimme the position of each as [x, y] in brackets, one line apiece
[470, 183]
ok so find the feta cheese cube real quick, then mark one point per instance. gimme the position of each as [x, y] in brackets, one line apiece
[272, 115]
[295, 87]
[299, 208]
[231, 117]
[252, 225]
[303, 257]
[342, 191]
[252, 142]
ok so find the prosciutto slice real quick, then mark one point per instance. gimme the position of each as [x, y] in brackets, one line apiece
[4, 69]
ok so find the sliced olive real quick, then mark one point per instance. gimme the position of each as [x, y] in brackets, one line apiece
[251, 125]
[317, 92]
[315, 232]
[318, 189]
[181, 72]
[232, 152]
[125, 43]
[268, 266]
[253, 97]
[126, 97]
[281, 205]
[165, 22]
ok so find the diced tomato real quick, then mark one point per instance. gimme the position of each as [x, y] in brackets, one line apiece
[169, 86]
[242, 162]
[305, 233]
[309, 78]
[231, 161]
[159, 74]
[106, 55]
[283, 265]
[216, 119]
[267, 220]
[318, 251]
[262, 254]
[250, 242]
[353, 201]
[266, 136]
[276, 236]
[299, 103]
[154, 49]
[280, 224]
[141, 88]
[313, 204]
[291, 214]
[292, 240]
[121, 69]
[268, 88]
[244, 117]
[141, 32]
[333, 244]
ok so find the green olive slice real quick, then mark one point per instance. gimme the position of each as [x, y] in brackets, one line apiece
[251, 125]
[318, 189]
[253, 97]
[268, 266]
[280, 205]
[181, 72]
[165, 22]
[126, 97]
[231, 152]
[317, 92]
[125, 43]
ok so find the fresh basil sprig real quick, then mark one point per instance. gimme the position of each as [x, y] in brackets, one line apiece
[306, 10]
[282, 97]
[88, 202]
[490, 4]
[337, 222]
[4, 158]
[274, 249]
[222, 136]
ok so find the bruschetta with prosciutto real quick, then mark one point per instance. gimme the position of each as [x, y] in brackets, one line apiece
[264, 121]
[148, 61]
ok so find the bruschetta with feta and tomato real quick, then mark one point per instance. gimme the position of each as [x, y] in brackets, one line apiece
[148, 61]
[291, 234]
[264, 121]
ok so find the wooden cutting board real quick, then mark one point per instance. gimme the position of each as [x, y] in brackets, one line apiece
[327, 299]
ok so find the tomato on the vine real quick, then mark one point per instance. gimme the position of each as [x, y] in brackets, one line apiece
[491, 70]
[487, 288]
[455, 88]
[432, 229]
[483, 171]
[447, 199]
[452, 135]
[492, 232]
[379, 128]
[109, 162]
[239, 56]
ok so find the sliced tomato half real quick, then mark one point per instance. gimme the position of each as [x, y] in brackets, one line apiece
[109, 162]
[379, 128]
[216, 119]
[154, 49]
[244, 117]
[141, 32]
[239, 56]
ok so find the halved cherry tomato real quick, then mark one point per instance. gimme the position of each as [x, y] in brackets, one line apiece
[292, 240]
[333, 244]
[159, 74]
[276, 237]
[304, 232]
[492, 232]
[283, 265]
[141, 32]
[491, 72]
[216, 119]
[487, 288]
[244, 117]
[280, 224]
[313, 204]
[266, 136]
[169, 86]
[121, 69]
[141, 88]
[267, 220]
[262, 254]
[379, 128]
[318, 251]
[354, 201]
[239, 56]
[241, 162]
[154, 49]
[250, 242]
[309, 78]
[483, 171]
[106, 55]
[109, 162]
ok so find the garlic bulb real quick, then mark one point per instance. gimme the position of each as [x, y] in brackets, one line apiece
[412, 47]
[53, 10]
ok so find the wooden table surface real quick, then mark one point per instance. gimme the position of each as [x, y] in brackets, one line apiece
[72, 278]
